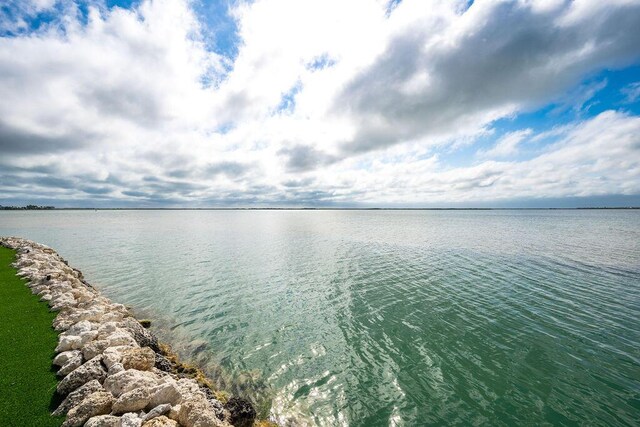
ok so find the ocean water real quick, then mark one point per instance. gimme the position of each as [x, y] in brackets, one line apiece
[382, 318]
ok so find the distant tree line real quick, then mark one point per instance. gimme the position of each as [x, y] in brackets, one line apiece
[25, 208]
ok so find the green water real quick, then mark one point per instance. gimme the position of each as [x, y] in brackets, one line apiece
[383, 318]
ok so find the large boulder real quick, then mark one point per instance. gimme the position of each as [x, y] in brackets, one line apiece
[103, 421]
[62, 301]
[62, 358]
[106, 329]
[165, 393]
[130, 420]
[121, 337]
[74, 398]
[87, 336]
[68, 342]
[113, 355]
[142, 336]
[98, 403]
[116, 368]
[157, 411]
[128, 380]
[92, 370]
[174, 412]
[189, 389]
[94, 348]
[198, 413]
[131, 401]
[78, 328]
[142, 359]
[71, 365]
[161, 421]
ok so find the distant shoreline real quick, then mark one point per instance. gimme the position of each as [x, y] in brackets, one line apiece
[4, 208]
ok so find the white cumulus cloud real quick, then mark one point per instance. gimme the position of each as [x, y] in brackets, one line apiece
[325, 102]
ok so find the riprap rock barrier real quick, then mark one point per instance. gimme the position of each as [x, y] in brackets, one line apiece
[113, 372]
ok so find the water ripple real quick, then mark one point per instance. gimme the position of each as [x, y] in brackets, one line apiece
[383, 318]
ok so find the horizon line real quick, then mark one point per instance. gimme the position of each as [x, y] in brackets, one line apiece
[12, 208]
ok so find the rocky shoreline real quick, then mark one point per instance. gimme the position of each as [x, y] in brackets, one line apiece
[113, 371]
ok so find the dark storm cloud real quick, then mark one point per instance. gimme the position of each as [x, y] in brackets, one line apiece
[518, 57]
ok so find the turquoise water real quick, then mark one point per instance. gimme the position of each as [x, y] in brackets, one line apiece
[382, 318]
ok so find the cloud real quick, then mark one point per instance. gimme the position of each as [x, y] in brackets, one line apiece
[507, 145]
[17, 141]
[631, 92]
[598, 156]
[131, 106]
[230, 169]
[580, 99]
[449, 68]
[303, 158]
[15, 14]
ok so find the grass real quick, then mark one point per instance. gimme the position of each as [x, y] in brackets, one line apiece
[27, 343]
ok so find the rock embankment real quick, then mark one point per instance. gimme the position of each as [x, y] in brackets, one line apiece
[113, 372]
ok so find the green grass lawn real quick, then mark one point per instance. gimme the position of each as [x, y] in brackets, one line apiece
[27, 341]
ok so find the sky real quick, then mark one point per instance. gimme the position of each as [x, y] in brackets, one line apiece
[305, 103]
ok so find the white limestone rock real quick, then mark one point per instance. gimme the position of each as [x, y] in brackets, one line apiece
[87, 336]
[62, 358]
[174, 412]
[132, 401]
[113, 355]
[197, 413]
[116, 368]
[98, 403]
[78, 328]
[103, 421]
[74, 398]
[121, 337]
[92, 370]
[128, 380]
[94, 348]
[68, 342]
[130, 420]
[189, 389]
[107, 329]
[165, 393]
[61, 301]
[142, 359]
[72, 364]
[161, 421]
[157, 411]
